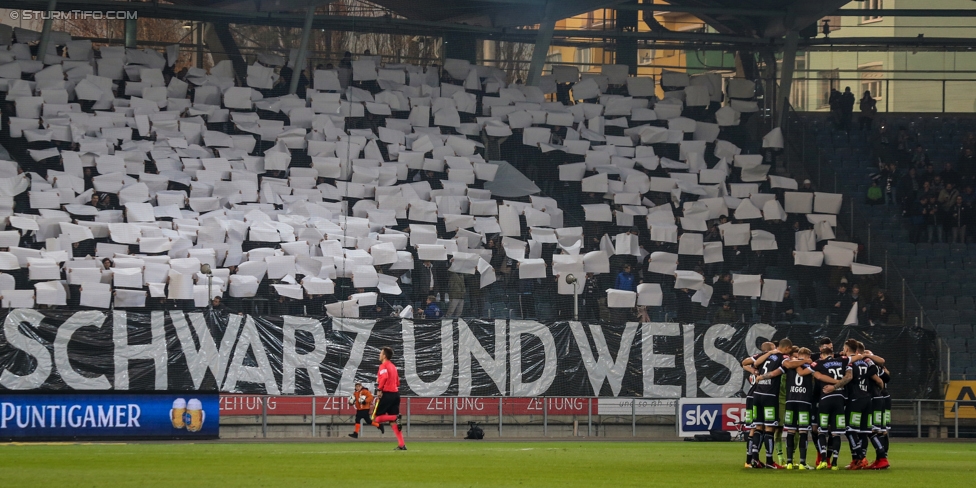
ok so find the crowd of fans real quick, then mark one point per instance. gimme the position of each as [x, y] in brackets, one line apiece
[378, 190]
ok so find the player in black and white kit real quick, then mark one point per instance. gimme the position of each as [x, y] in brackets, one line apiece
[881, 417]
[833, 420]
[748, 364]
[800, 396]
[869, 385]
[858, 403]
[766, 397]
[818, 392]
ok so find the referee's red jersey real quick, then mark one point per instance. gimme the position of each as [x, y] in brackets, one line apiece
[387, 379]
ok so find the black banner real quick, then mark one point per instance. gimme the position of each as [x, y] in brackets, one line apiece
[283, 355]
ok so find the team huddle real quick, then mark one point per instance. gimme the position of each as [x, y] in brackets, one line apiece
[823, 395]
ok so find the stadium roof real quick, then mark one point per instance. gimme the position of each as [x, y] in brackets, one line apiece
[727, 16]
[760, 24]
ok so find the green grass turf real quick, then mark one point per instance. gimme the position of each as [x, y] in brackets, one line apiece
[372, 464]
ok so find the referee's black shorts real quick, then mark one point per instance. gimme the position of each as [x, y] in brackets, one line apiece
[389, 404]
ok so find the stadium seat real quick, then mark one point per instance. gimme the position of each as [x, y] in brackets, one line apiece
[967, 317]
[964, 330]
[945, 330]
[964, 303]
[950, 316]
[951, 287]
[946, 303]
[956, 343]
[962, 358]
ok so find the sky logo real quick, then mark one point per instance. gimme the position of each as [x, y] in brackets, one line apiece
[701, 417]
[698, 415]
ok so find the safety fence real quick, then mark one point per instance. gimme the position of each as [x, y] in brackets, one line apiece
[918, 418]
[584, 414]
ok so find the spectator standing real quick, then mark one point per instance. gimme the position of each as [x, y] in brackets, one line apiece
[950, 175]
[455, 290]
[933, 220]
[908, 188]
[847, 108]
[967, 164]
[880, 309]
[958, 216]
[833, 100]
[869, 108]
[919, 157]
[947, 196]
[861, 303]
[889, 175]
[915, 212]
[625, 280]
[590, 308]
[785, 310]
[842, 301]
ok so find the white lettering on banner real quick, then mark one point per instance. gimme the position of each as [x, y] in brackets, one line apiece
[604, 367]
[756, 332]
[243, 336]
[229, 403]
[701, 417]
[124, 352]
[30, 345]
[446, 405]
[691, 373]
[540, 385]
[710, 388]
[443, 381]
[48, 416]
[651, 359]
[207, 356]
[262, 373]
[469, 346]
[310, 361]
[363, 329]
[90, 318]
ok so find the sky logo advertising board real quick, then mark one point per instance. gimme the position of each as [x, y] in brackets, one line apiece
[161, 416]
[701, 415]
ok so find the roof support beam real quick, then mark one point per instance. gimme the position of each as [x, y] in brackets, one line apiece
[131, 32]
[46, 31]
[786, 76]
[542, 42]
[296, 73]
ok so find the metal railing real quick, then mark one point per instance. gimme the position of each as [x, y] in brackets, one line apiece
[540, 410]
[931, 413]
[916, 94]
[919, 418]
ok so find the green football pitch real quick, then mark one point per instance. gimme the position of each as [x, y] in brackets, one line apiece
[463, 463]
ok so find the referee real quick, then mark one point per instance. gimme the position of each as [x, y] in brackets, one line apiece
[388, 396]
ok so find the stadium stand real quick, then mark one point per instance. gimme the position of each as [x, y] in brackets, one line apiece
[131, 186]
[913, 157]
